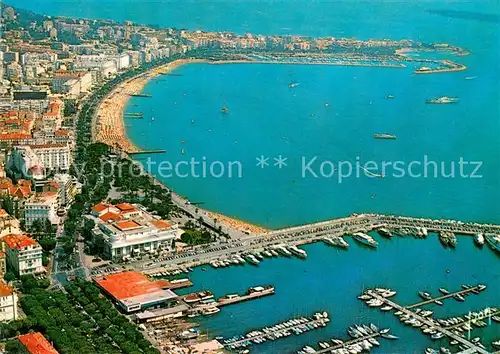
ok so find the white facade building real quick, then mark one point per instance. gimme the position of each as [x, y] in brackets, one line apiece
[23, 254]
[54, 156]
[8, 303]
[129, 230]
[41, 206]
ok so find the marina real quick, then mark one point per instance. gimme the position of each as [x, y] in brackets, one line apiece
[423, 319]
[363, 339]
[295, 326]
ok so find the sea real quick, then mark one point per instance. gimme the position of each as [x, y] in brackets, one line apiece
[256, 154]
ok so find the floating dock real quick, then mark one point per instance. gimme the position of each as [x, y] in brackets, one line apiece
[253, 293]
[447, 296]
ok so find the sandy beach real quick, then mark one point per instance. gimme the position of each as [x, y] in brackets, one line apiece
[109, 127]
[235, 223]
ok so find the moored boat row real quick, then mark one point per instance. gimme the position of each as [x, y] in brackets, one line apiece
[295, 326]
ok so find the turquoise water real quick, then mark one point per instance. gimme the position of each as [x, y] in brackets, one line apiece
[266, 117]
[331, 279]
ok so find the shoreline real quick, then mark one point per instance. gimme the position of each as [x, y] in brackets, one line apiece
[109, 128]
[109, 125]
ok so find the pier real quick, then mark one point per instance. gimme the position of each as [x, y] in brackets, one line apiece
[170, 74]
[227, 300]
[475, 319]
[447, 296]
[144, 152]
[141, 95]
[133, 115]
[315, 232]
[348, 343]
[428, 322]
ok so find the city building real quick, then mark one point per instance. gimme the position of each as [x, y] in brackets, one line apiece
[35, 343]
[53, 157]
[134, 292]
[30, 100]
[24, 254]
[66, 188]
[42, 206]
[8, 303]
[130, 230]
[80, 81]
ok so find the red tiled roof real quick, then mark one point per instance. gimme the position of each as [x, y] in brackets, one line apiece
[18, 241]
[127, 225]
[98, 208]
[62, 132]
[161, 224]
[36, 343]
[5, 290]
[3, 213]
[128, 284]
[14, 136]
[47, 146]
[125, 207]
[110, 216]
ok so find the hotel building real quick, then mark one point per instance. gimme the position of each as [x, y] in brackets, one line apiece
[130, 230]
[8, 303]
[24, 254]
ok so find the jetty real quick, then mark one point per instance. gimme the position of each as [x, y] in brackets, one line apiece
[348, 343]
[447, 296]
[485, 315]
[299, 235]
[133, 115]
[141, 95]
[170, 74]
[144, 152]
[253, 293]
[427, 321]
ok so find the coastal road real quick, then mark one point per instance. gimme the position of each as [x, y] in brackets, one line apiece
[197, 213]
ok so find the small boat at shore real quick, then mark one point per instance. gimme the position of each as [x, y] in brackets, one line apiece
[336, 241]
[479, 239]
[365, 239]
[443, 291]
[424, 295]
[384, 232]
[298, 252]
